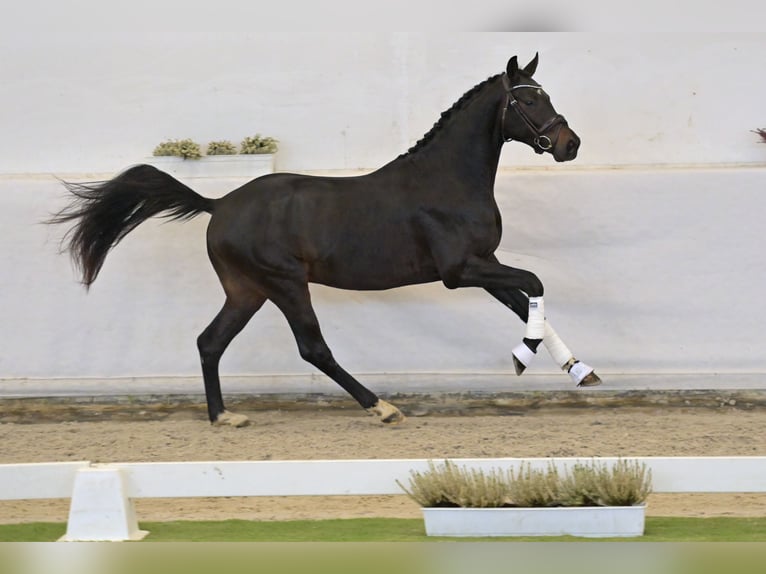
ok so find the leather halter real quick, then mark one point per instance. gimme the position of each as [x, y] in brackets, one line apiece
[542, 141]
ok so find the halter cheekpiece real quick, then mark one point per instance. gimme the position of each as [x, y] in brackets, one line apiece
[542, 141]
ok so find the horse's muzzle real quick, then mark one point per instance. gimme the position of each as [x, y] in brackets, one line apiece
[567, 145]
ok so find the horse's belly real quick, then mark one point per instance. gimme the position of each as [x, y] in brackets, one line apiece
[374, 267]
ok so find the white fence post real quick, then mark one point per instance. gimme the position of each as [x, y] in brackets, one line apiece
[100, 509]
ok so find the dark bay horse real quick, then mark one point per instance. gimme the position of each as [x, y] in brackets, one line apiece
[428, 215]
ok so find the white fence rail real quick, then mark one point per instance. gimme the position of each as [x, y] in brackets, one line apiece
[38, 480]
[101, 494]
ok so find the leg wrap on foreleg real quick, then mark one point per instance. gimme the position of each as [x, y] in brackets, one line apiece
[536, 319]
[522, 353]
[556, 347]
[578, 371]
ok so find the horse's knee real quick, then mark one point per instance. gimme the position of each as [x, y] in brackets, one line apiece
[208, 349]
[316, 354]
[204, 342]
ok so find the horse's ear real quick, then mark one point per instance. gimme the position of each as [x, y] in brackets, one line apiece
[530, 68]
[512, 69]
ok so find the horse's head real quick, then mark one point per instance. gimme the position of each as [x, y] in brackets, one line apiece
[528, 115]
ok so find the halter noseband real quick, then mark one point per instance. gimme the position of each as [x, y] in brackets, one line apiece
[542, 141]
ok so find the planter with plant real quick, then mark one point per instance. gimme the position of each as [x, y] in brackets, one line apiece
[184, 149]
[590, 500]
[184, 158]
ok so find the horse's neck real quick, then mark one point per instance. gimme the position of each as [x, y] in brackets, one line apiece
[467, 147]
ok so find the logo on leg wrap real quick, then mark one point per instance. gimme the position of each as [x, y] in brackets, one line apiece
[536, 319]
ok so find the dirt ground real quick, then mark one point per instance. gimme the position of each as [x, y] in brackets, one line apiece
[350, 434]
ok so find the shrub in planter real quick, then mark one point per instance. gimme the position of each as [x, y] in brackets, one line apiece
[590, 500]
[624, 484]
[221, 147]
[595, 484]
[186, 148]
[258, 144]
[451, 486]
[221, 160]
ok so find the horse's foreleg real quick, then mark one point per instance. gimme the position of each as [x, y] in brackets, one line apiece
[581, 374]
[213, 341]
[295, 303]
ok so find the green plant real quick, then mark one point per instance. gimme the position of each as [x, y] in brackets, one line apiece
[761, 132]
[258, 144]
[535, 488]
[452, 486]
[221, 147]
[624, 483]
[186, 148]
[435, 487]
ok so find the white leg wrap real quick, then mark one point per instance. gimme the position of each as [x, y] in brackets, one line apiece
[524, 354]
[579, 371]
[536, 320]
[556, 347]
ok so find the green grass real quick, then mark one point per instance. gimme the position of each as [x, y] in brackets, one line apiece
[32, 532]
[658, 529]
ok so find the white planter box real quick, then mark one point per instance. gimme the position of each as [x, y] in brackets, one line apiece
[591, 522]
[216, 166]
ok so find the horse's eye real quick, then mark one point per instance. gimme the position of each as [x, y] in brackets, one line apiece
[529, 103]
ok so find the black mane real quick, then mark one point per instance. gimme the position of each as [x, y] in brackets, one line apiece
[446, 115]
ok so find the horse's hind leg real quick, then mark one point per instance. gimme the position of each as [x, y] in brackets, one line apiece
[294, 300]
[580, 373]
[231, 319]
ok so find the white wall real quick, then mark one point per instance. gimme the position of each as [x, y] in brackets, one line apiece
[645, 271]
[86, 90]
[647, 268]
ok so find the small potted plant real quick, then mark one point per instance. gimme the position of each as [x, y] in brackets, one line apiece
[177, 157]
[185, 149]
[258, 144]
[221, 160]
[256, 154]
[590, 500]
[221, 147]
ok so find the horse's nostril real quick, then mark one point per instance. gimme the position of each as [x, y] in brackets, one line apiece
[572, 146]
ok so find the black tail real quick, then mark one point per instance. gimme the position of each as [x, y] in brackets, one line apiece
[106, 211]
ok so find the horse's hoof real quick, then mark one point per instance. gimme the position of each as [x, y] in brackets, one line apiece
[522, 357]
[387, 412]
[590, 380]
[227, 418]
[518, 365]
